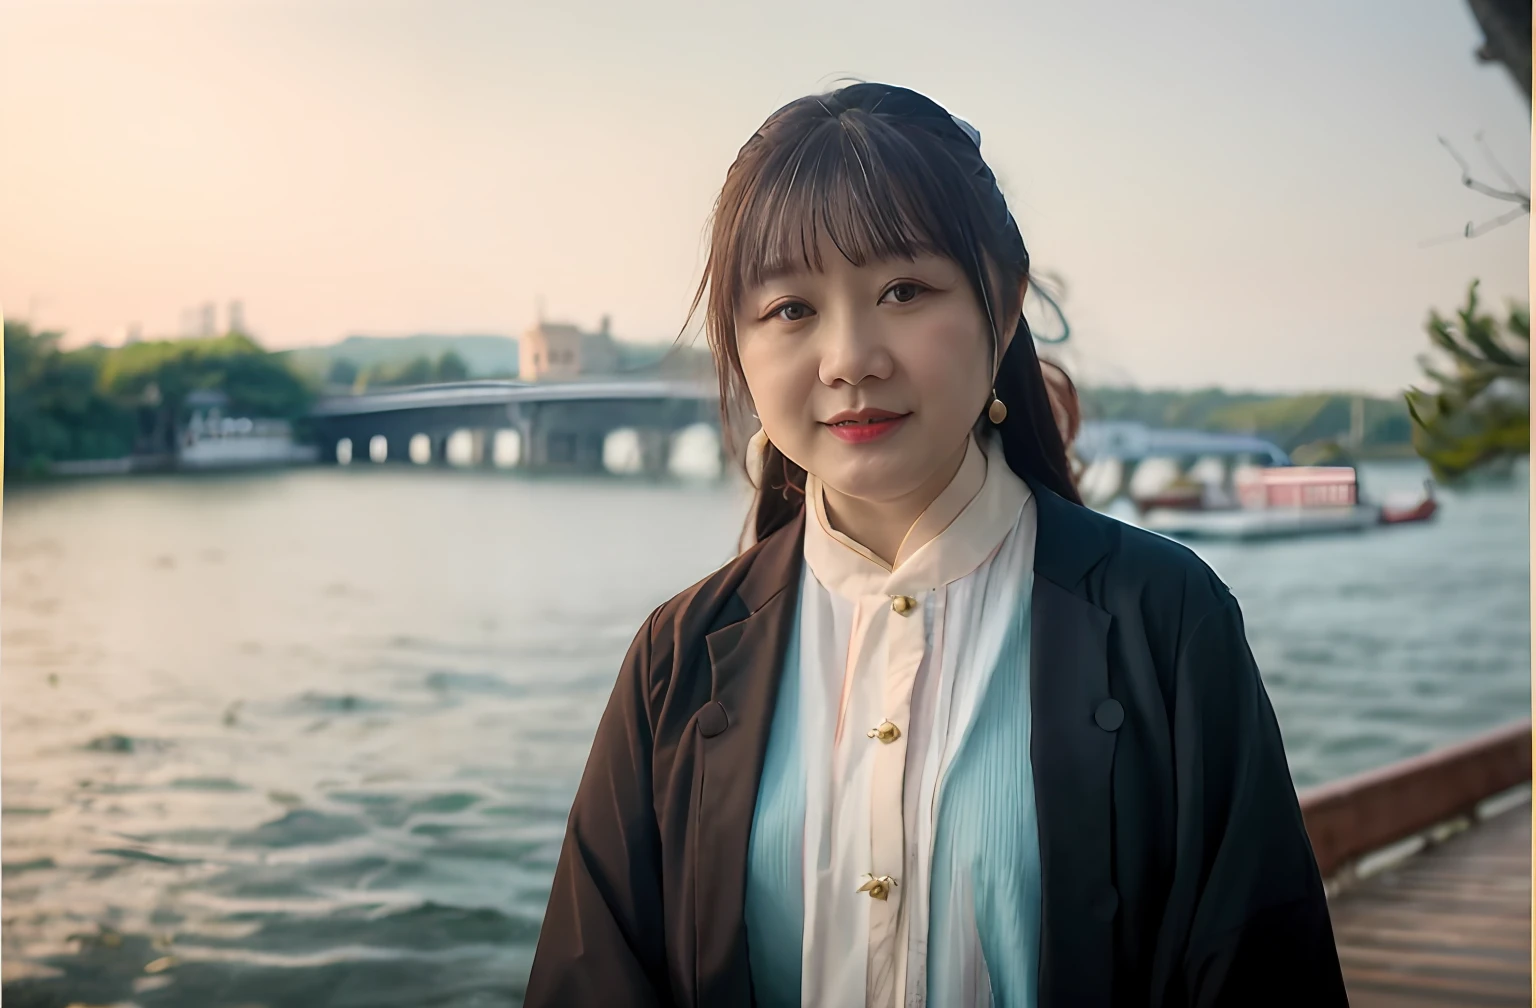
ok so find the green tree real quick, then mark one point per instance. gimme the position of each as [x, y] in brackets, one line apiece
[418, 371]
[1291, 421]
[451, 367]
[1479, 413]
[156, 377]
[100, 402]
[342, 372]
[54, 410]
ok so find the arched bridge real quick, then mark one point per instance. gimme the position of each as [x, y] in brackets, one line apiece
[559, 425]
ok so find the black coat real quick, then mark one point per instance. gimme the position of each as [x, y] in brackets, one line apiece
[1175, 867]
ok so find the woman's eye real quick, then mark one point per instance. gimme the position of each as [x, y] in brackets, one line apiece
[794, 311]
[903, 292]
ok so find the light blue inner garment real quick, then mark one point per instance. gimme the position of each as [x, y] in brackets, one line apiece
[985, 885]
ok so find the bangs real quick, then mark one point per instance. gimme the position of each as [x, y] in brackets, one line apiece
[855, 182]
[878, 174]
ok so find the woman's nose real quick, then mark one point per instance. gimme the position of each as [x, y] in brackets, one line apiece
[852, 349]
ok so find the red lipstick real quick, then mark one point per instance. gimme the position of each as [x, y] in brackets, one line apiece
[865, 425]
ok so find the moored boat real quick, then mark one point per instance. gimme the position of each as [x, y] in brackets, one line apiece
[1197, 485]
[1393, 513]
[1272, 502]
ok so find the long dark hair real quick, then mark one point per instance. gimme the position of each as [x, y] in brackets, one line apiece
[882, 172]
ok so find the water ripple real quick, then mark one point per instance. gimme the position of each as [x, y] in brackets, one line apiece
[328, 761]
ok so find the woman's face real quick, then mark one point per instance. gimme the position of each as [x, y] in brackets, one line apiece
[871, 376]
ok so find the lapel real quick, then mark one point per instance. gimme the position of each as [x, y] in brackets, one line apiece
[1073, 723]
[746, 660]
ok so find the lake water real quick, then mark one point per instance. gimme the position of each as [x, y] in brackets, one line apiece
[309, 738]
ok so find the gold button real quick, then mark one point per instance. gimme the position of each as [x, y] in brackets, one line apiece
[903, 604]
[885, 732]
[878, 888]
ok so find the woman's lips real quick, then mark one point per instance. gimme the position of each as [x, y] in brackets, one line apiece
[864, 426]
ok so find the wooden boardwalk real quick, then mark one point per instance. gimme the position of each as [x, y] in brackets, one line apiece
[1449, 926]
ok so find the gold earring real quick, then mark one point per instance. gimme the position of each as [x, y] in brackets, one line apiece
[998, 411]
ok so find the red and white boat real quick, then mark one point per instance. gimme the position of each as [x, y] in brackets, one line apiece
[1279, 501]
[1197, 484]
[1394, 513]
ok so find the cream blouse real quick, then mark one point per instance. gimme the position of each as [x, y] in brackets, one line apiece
[892, 664]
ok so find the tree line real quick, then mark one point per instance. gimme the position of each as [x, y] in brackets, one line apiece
[1308, 422]
[100, 402]
[419, 370]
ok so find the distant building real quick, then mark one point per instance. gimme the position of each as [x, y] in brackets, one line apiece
[209, 321]
[558, 351]
[236, 317]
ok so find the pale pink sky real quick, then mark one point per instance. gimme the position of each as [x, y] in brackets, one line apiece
[1236, 193]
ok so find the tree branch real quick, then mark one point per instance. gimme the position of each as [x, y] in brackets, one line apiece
[1514, 194]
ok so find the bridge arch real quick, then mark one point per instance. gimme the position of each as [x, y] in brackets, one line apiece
[506, 447]
[558, 426]
[697, 452]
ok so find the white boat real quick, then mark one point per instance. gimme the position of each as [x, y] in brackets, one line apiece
[214, 442]
[1197, 485]
[1280, 501]
[1265, 523]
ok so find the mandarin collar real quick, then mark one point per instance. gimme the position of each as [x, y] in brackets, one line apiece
[954, 535]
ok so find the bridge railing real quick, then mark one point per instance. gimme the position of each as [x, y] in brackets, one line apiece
[1360, 815]
[499, 391]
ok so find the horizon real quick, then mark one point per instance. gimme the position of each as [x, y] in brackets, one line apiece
[1220, 217]
[1226, 390]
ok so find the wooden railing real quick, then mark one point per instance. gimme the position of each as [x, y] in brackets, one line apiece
[1358, 815]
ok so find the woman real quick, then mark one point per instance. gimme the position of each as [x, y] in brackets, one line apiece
[941, 735]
